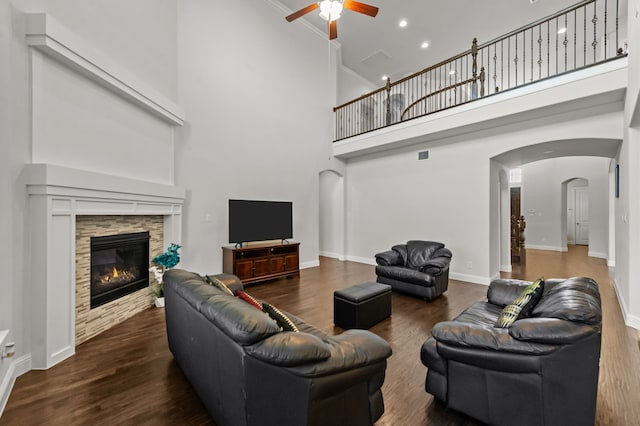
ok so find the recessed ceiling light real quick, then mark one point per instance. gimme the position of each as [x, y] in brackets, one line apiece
[424, 44]
[562, 30]
[385, 77]
[452, 72]
[547, 152]
[403, 23]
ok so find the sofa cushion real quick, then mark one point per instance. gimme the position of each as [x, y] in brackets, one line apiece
[522, 306]
[400, 273]
[502, 292]
[574, 299]
[419, 252]
[282, 320]
[290, 349]
[241, 322]
[550, 330]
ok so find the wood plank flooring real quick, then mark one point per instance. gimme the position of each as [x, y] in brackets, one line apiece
[128, 376]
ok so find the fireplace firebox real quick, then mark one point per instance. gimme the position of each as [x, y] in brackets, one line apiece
[119, 266]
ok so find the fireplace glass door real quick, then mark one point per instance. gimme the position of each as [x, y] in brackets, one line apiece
[119, 266]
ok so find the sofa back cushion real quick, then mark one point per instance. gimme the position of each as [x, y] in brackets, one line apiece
[574, 299]
[419, 252]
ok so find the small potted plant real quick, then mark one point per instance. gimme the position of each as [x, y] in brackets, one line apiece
[163, 262]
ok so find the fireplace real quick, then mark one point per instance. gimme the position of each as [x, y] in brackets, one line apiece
[119, 266]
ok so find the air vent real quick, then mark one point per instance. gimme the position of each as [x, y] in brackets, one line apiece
[423, 155]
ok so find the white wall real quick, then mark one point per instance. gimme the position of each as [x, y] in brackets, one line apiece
[352, 85]
[542, 203]
[392, 197]
[627, 221]
[258, 108]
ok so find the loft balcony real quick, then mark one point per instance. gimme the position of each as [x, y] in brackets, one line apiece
[570, 60]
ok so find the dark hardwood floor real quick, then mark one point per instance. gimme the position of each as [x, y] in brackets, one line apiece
[128, 376]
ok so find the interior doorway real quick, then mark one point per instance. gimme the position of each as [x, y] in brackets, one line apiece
[518, 225]
[331, 215]
[578, 211]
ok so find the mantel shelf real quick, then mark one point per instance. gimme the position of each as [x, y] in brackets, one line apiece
[56, 41]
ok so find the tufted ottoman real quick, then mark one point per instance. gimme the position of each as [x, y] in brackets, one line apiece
[361, 305]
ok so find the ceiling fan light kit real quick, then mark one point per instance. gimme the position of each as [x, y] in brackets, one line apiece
[330, 11]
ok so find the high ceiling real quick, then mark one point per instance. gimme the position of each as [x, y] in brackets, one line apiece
[373, 47]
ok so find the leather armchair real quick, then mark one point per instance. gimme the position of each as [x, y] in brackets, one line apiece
[420, 268]
[543, 370]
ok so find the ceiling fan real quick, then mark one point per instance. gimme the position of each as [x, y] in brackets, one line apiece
[330, 11]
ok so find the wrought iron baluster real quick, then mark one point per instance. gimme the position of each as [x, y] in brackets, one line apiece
[584, 59]
[565, 42]
[575, 37]
[595, 36]
[605, 29]
[539, 52]
[531, 74]
[515, 60]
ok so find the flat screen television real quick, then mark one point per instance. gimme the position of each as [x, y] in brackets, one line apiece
[260, 220]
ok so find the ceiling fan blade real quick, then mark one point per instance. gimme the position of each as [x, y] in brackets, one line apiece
[361, 7]
[302, 12]
[333, 30]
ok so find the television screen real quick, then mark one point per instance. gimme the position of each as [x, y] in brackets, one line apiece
[260, 220]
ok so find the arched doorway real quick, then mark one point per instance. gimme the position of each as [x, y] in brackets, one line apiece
[331, 215]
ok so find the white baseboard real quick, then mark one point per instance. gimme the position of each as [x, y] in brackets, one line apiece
[476, 279]
[597, 254]
[310, 264]
[541, 247]
[630, 320]
[506, 268]
[611, 263]
[6, 384]
[332, 255]
[17, 367]
[365, 260]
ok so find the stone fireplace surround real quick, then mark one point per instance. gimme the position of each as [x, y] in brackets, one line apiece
[56, 197]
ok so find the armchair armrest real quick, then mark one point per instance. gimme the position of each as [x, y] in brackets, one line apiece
[350, 350]
[476, 336]
[550, 330]
[389, 258]
[436, 265]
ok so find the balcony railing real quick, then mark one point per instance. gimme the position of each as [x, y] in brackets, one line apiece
[580, 36]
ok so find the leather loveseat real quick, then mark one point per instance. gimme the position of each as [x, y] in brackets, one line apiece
[542, 370]
[420, 268]
[248, 372]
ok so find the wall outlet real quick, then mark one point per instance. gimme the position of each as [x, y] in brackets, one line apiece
[208, 217]
[469, 264]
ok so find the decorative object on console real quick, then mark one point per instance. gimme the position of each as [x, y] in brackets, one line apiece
[419, 267]
[522, 306]
[543, 370]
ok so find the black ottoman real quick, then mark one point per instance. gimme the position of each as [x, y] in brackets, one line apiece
[361, 305]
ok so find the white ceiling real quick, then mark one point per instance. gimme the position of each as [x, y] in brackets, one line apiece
[448, 26]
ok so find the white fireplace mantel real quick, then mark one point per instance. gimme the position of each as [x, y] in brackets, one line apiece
[56, 196]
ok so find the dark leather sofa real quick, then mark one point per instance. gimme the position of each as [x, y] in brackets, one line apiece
[420, 268]
[248, 372]
[543, 370]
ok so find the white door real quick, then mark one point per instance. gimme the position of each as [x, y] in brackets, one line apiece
[582, 216]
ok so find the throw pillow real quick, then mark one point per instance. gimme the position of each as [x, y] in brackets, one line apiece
[248, 298]
[281, 319]
[522, 306]
[217, 283]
